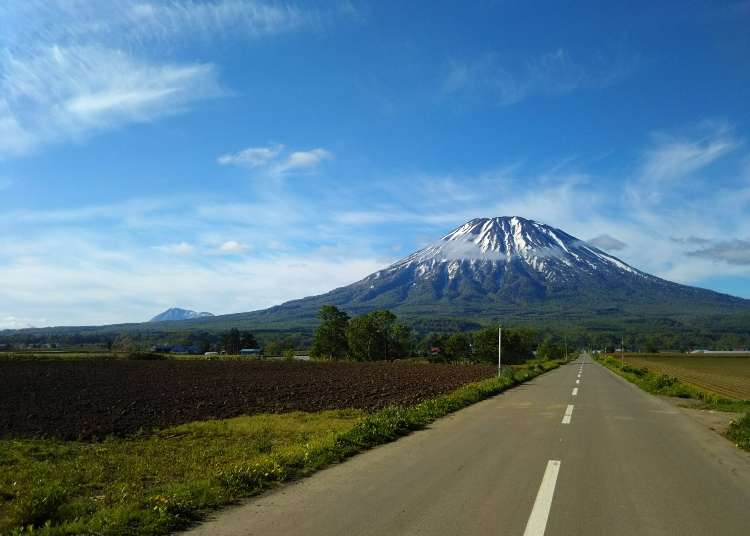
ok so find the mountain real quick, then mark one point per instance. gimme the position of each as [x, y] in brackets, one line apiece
[506, 269]
[175, 313]
[513, 268]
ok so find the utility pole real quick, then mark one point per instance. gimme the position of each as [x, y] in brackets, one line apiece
[499, 349]
[565, 340]
[622, 352]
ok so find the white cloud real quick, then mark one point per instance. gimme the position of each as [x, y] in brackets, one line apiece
[211, 20]
[233, 247]
[12, 322]
[180, 248]
[607, 243]
[146, 24]
[70, 68]
[676, 158]
[302, 162]
[56, 93]
[271, 160]
[252, 157]
[72, 288]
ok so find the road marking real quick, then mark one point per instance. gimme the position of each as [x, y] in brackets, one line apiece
[537, 523]
[578, 381]
[575, 391]
[568, 414]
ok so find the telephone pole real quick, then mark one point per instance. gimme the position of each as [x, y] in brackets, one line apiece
[622, 352]
[499, 349]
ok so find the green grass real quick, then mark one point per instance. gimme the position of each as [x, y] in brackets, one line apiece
[739, 432]
[663, 384]
[163, 481]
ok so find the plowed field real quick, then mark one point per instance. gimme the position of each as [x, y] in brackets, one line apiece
[89, 400]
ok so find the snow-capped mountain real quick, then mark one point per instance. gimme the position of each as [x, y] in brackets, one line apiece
[492, 245]
[175, 313]
[511, 267]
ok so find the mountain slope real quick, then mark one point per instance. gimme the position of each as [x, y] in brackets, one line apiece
[511, 267]
[175, 313]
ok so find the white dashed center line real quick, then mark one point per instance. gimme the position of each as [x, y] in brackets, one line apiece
[568, 414]
[537, 523]
[575, 391]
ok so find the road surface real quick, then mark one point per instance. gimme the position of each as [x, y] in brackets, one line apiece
[576, 451]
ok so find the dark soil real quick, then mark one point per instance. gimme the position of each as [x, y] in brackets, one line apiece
[90, 400]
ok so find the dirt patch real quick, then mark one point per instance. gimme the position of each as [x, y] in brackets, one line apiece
[718, 421]
[89, 400]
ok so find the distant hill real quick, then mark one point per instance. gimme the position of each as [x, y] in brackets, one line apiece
[175, 313]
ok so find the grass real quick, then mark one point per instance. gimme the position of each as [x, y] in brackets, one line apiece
[162, 481]
[663, 384]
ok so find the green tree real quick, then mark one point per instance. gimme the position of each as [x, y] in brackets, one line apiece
[230, 340]
[518, 344]
[370, 336]
[402, 341]
[551, 348]
[485, 345]
[124, 343]
[458, 346]
[247, 340]
[273, 348]
[330, 337]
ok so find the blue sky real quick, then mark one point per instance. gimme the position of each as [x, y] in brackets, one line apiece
[232, 154]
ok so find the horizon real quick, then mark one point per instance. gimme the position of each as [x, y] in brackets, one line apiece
[227, 156]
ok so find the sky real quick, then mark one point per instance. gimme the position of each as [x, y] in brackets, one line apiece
[230, 155]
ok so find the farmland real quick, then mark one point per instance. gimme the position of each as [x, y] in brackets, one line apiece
[184, 437]
[94, 399]
[725, 376]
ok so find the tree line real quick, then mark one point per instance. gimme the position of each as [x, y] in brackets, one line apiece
[378, 335]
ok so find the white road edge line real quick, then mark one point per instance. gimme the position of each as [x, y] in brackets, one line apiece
[537, 523]
[575, 391]
[568, 414]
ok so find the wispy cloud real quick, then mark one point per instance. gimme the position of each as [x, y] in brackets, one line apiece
[275, 162]
[252, 157]
[555, 73]
[673, 158]
[131, 24]
[607, 243]
[673, 165]
[181, 248]
[730, 251]
[67, 93]
[69, 69]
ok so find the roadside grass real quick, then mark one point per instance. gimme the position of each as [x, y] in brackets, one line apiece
[739, 432]
[663, 384]
[162, 481]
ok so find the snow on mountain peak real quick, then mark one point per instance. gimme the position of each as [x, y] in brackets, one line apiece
[502, 240]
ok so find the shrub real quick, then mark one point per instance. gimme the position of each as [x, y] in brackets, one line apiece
[739, 432]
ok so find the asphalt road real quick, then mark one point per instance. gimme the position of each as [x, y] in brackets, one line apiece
[609, 460]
